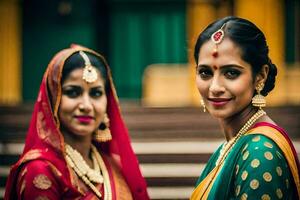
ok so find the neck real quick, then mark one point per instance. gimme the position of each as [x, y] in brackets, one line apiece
[233, 124]
[81, 144]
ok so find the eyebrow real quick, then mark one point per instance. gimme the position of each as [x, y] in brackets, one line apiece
[221, 67]
[77, 86]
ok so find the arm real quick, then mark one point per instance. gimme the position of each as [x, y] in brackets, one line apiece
[37, 181]
[262, 171]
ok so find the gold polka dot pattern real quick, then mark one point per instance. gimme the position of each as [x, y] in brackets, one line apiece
[279, 171]
[244, 196]
[267, 177]
[245, 155]
[279, 193]
[254, 184]
[237, 169]
[268, 144]
[256, 139]
[244, 175]
[255, 163]
[287, 183]
[265, 197]
[268, 155]
[237, 190]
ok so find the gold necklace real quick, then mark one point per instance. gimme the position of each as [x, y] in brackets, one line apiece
[226, 148]
[94, 175]
[107, 185]
[88, 175]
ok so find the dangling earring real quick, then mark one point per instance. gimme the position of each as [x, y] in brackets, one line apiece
[203, 105]
[259, 100]
[103, 134]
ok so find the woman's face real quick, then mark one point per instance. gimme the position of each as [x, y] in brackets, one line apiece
[82, 105]
[224, 81]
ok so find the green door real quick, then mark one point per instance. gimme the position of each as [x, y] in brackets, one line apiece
[142, 33]
[49, 26]
[131, 34]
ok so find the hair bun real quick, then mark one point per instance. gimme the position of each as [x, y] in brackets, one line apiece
[270, 82]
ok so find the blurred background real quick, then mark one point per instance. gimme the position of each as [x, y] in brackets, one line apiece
[149, 47]
[134, 36]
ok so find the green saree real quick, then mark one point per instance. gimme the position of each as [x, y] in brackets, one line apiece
[257, 167]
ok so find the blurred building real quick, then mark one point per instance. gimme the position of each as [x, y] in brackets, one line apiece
[148, 43]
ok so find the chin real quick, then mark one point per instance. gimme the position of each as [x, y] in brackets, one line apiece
[220, 114]
[82, 133]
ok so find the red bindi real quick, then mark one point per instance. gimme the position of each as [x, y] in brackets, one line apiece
[215, 53]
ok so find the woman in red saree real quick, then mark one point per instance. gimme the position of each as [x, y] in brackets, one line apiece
[77, 145]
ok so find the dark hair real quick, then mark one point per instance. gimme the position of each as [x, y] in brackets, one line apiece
[251, 41]
[76, 61]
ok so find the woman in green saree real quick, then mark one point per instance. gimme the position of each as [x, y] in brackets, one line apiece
[234, 73]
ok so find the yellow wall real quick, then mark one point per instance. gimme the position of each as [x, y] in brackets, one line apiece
[10, 52]
[268, 15]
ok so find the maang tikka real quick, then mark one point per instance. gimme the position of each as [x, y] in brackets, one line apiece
[217, 38]
[89, 72]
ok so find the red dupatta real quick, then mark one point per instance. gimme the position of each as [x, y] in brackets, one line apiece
[44, 140]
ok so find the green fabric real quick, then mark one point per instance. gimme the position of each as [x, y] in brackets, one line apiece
[260, 158]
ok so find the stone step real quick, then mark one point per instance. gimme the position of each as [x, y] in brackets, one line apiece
[152, 123]
[170, 168]
[172, 144]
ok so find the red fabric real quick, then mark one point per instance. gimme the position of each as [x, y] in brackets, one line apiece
[45, 142]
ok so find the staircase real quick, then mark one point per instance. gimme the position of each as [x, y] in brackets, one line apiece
[172, 144]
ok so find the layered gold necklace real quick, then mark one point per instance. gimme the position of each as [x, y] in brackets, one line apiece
[226, 148]
[88, 175]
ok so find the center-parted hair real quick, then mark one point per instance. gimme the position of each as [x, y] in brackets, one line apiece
[76, 61]
[250, 39]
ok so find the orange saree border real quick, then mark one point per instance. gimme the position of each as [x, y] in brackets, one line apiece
[204, 187]
[120, 189]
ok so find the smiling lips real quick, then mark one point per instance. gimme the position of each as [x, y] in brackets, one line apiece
[218, 102]
[84, 119]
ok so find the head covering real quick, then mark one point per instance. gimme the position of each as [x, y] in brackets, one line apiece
[44, 133]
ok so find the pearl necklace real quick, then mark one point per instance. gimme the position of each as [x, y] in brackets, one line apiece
[88, 175]
[226, 148]
[73, 156]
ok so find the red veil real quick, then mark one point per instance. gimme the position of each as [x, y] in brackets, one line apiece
[44, 140]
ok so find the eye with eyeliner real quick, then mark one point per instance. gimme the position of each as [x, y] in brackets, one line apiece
[96, 92]
[231, 73]
[204, 72]
[72, 91]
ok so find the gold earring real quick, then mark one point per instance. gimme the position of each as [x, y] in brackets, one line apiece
[203, 105]
[259, 100]
[103, 134]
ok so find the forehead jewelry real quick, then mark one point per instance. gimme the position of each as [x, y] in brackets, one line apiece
[89, 72]
[217, 38]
